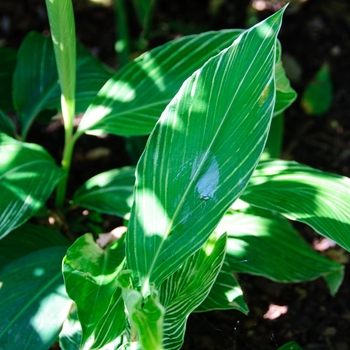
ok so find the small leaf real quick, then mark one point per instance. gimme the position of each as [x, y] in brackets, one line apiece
[319, 199]
[285, 95]
[186, 289]
[318, 95]
[110, 192]
[263, 243]
[226, 293]
[201, 154]
[33, 300]
[28, 176]
[90, 278]
[290, 346]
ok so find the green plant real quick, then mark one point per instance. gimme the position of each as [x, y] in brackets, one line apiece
[205, 204]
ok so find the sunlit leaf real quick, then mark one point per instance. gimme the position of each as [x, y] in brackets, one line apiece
[273, 145]
[28, 176]
[131, 102]
[110, 192]
[301, 193]
[201, 154]
[90, 278]
[36, 85]
[225, 294]
[33, 300]
[264, 243]
[186, 289]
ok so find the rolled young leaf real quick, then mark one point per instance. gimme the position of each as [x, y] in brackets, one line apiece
[264, 243]
[28, 176]
[201, 154]
[316, 198]
[90, 278]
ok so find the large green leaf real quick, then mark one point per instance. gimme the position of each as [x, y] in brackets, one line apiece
[33, 301]
[27, 239]
[264, 243]
[8, 59]
[90, 278]
[110, 192]
[36, 85]
[225, 294]
[28, 175]
[131, 102]
[319, 199]
[186, 289]
[201, 154]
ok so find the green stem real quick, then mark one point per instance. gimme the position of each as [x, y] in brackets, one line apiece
[122, 46]
[68, 108]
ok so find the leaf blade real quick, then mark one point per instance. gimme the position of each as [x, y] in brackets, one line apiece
[166, 181]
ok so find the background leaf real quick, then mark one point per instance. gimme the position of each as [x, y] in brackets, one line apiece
[27, 239]
[36, 85]
[319, 199]
[110, 192]
[219, 120]
[318, 96]
[90, 278]
[184, 290]
[6, 125]
[28, 176]
[8, 59]
[263, 243]
[33, 300]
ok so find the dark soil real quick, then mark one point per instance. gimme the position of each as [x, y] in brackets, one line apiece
[314, 32]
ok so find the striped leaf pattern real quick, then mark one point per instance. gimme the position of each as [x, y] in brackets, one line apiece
[110, 192]
[131, 102]
[318, 199]
[184, 290]
[28, 175]
[225, 294]
[201, 154]
[90, 275]
[264, 243]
